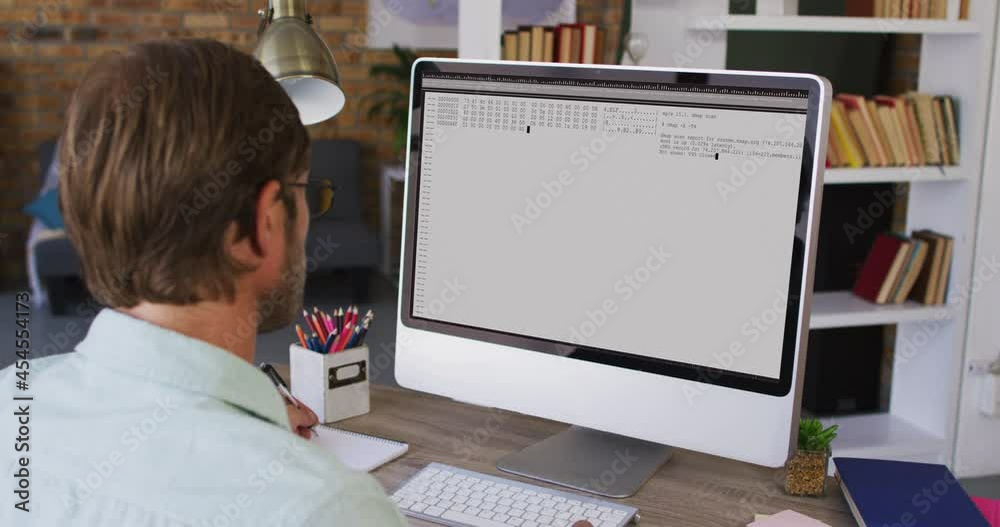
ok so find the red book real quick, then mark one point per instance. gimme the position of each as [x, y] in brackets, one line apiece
[883, 258]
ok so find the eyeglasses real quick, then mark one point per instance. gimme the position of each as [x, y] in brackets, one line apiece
[319, 195]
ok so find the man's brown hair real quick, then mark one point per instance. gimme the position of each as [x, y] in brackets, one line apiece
[165, 146]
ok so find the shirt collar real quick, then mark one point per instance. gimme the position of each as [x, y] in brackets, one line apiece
[127, 344]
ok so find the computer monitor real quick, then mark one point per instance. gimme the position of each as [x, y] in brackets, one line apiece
[628, 250]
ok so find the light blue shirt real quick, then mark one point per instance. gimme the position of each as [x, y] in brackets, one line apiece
[143, 426]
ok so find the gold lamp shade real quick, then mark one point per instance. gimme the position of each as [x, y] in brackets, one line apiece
[301, 62]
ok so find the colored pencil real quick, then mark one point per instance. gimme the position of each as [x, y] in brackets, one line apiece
[309, 321]
[302, 336]
[341, 342]
[329, 342]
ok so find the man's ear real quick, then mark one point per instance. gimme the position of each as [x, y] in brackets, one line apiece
[264, 237]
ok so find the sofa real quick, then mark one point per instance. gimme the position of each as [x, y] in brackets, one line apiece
[340, 240]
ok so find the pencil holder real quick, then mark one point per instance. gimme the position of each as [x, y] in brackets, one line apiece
[335, 386]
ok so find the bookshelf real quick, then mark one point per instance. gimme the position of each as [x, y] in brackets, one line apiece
[956, 59]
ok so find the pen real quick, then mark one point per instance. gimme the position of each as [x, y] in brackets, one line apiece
[282, 387]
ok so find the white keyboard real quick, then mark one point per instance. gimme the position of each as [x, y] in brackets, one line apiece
[462, 498]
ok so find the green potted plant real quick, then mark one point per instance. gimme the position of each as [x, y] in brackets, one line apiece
[805, 472]
[391, 104]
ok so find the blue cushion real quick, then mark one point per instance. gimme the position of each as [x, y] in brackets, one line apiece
[46, 209]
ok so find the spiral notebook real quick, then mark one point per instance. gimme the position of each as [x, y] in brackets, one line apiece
[356, 450]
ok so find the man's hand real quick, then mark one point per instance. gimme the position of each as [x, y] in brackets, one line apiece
[301, 418]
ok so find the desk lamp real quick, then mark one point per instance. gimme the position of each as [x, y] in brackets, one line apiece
[297, 57]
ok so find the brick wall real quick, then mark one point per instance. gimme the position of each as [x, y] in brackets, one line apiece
[46, 45]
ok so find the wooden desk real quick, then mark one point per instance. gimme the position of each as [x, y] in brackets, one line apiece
[692, 489]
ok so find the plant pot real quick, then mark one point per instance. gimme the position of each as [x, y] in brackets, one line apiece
[805, 473]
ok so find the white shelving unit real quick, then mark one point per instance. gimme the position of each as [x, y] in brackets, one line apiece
[956, 59]
[837, 24]
[840, 176]
[841, 309]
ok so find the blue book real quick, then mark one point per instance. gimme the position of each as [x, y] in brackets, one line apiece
[895, 493]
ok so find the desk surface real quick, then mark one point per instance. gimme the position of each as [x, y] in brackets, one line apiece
[692, 489]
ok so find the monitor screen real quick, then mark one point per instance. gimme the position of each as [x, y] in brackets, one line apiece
[643, 221]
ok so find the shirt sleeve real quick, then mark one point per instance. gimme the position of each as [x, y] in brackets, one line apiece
[359, 508]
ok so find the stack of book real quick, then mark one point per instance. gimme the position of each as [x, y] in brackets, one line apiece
[911, 130]
[900, 267]
[903, 8]
[579, 43]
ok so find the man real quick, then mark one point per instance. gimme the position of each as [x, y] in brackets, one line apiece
[184, 190]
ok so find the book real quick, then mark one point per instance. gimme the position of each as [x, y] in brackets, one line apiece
[924, 110]
[358, 451]
[887, 118]
[564, 43]
[881, 268]
[575, 43]
[843, 134]
[881, 492]
[950, 129]
[599, 46]
[913, 129]
[857, 115]
[537, 43]
[524, 43]
[963, 10]
[924, 290]
[880, 133]
[941, 288]
[588, 43]
[911, 270]
[834, 158]
[894, 9]
[939, 131]
[938, 9]
[923, 8]
[893, 114]
[548, 45]
[509, 45]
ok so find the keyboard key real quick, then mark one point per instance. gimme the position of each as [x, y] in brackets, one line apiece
[433, 511]
[516, 522]
[418, 507]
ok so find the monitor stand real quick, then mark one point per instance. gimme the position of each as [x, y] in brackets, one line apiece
[589, 460]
